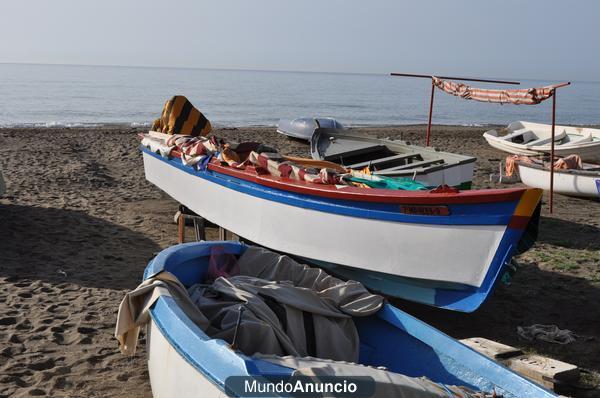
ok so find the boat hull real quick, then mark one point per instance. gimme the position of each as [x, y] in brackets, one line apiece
[470, 252]
[184, 362]
[589, 153]
[565, 182]
[171, 375]
[568, 141]
[351, 241]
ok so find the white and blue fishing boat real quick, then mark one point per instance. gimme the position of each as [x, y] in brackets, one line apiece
[184, 361]
[441, 247]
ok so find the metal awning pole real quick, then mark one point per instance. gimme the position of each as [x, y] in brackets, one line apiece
[552, 151]
[467, 79]
[430, 113]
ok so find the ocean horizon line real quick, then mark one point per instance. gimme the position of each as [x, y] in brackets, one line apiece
[232, 69]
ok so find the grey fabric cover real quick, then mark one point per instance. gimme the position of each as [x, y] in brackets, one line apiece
[350, 297]
[297, 289]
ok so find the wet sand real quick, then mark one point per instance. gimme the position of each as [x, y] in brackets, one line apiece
[79, 223]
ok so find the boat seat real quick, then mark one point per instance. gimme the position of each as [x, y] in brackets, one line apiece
[381, 161]
[579, 139]
[409, 166]
[360, 154]
[541, 141]
[525, 135]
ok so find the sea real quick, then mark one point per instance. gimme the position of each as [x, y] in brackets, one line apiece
[33, 95]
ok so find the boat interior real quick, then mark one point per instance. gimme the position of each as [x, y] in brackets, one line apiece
[534, 134]
[440, 358]
[381, 160]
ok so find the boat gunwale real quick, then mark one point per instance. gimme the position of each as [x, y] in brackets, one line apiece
[574, 172]
[346, 192]
[374, 194]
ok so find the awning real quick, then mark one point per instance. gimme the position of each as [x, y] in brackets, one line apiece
[528, 96]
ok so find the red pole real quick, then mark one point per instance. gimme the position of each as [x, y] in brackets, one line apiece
[552, 151]
[430, 112]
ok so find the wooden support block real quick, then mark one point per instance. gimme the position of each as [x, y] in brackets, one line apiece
[199, 229]
[544, 370]
[490, 348]
[222, 233]
[181, 228]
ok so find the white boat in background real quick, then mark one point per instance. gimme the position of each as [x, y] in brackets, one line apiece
[530, 139]
[572, 182]
[303, 128]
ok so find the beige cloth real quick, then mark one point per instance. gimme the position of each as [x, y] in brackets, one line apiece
[135, 306]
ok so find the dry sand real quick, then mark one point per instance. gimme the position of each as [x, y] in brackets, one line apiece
[79, 223]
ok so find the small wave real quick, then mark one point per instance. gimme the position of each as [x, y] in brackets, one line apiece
[57, 124]
[50, 124]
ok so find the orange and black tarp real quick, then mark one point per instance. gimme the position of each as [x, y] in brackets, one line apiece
[179, 116]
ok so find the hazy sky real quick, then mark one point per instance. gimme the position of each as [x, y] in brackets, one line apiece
[556, 40]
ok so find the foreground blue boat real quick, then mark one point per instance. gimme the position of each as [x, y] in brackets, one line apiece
[184, 361]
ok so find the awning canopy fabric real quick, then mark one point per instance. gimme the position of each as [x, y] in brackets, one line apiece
[528, 96]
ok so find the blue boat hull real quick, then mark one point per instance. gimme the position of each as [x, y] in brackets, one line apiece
[390, 338]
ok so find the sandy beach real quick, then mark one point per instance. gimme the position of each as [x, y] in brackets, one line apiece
[79, 222]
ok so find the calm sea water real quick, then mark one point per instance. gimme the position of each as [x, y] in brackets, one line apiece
[54, 95]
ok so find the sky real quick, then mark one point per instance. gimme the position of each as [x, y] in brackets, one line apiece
[551, 40]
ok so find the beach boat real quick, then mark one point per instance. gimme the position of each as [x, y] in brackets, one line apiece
[573, 182]
[303, 128]
[441, 247]
[387, 158]
[529, 139]
[184, 361]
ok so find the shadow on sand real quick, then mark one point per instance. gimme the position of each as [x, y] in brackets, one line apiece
[534, 296]
[58, 246]
[572, 235]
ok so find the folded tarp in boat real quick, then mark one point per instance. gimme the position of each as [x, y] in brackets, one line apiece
[291, 309]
